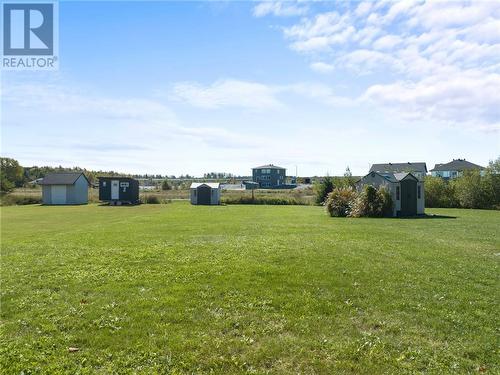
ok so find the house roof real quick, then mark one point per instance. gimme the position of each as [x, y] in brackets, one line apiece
[116, 178]
[400, 167]
[456, 165]
[392, 177]
[66, 178]
[269, 166]
[213, 185]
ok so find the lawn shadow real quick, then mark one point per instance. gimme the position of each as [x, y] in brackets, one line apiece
[433, 216]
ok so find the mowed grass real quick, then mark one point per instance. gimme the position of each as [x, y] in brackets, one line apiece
[247, 289]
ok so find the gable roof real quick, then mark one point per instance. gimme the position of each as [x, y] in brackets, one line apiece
[456, 165]
[65, 178]
[391, 177]
[400, 167]
[269, 166]
[213, 185]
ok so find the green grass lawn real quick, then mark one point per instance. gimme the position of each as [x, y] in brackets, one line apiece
[247, 289]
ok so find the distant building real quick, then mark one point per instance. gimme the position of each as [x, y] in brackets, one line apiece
[119, 190]
[65, 188]
[418, 169]
[269, 176]
[207, 193]
[454, 168]
[407, 191]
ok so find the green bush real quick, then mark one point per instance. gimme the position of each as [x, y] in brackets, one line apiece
[152, 199]
[275, 201]
[19, 200]
[165, 185]
[372, 203]
[474, 191]
[339, 202]
[439, 193]
[322, 189]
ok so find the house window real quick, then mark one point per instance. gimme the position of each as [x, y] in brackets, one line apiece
[419, 192]
[397, 193]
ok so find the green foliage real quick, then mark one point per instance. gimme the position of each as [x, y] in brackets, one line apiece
[323, 188]
[273, 201]
[372, 202]
[473, 190]
[439, 193]
[152, 199]
[16, 199]
[245, 289]
[11, 174]
[340, 201]
[165, 185]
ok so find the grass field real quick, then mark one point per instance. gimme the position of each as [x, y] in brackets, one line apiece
[177, 288]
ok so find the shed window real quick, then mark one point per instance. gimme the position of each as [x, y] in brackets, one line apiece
[104, 183]
[397, 193]
[195, 192]
[418, 192]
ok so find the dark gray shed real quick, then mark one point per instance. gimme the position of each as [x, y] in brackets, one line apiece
[65, 188]
[207, 193]
[119, 190]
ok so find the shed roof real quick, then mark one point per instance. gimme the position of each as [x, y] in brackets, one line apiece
[213, 185]
[392, 177]
[116, 178]
[66, 178]
[269, 166]
[456, 165]
[400, 167]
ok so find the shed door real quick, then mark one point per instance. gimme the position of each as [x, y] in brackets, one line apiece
[204, 195]
[58, 193]
[408, 198]
[115, 189]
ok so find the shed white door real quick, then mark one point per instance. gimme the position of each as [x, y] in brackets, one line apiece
[115, 189]
[58, 193]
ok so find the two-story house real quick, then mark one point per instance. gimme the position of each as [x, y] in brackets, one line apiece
[269, 176]
[418, 170]
[454, 168]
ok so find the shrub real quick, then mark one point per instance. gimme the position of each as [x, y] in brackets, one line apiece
[11, 200]
[372, 203]
[474, 191]
[322, 189]
[275, 201]
[152, 199]
[439, 193]
[339, 202]
[165, 185]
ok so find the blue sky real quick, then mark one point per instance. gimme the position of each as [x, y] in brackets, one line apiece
[194, 87]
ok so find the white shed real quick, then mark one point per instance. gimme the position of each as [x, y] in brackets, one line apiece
[207, 193]
[65, 188]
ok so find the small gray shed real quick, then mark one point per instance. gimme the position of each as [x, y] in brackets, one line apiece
[65, 188]
[407, 191]
[205, 193]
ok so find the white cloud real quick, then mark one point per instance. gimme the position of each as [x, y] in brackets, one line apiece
[279, 9]
[322, 67]
[387, 42]
[427, 45]
[470, 99]
[227, 93]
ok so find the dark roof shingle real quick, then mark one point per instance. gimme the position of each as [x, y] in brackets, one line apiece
[270, 166]
[399, 167]
[67, 178]
[456, 165]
